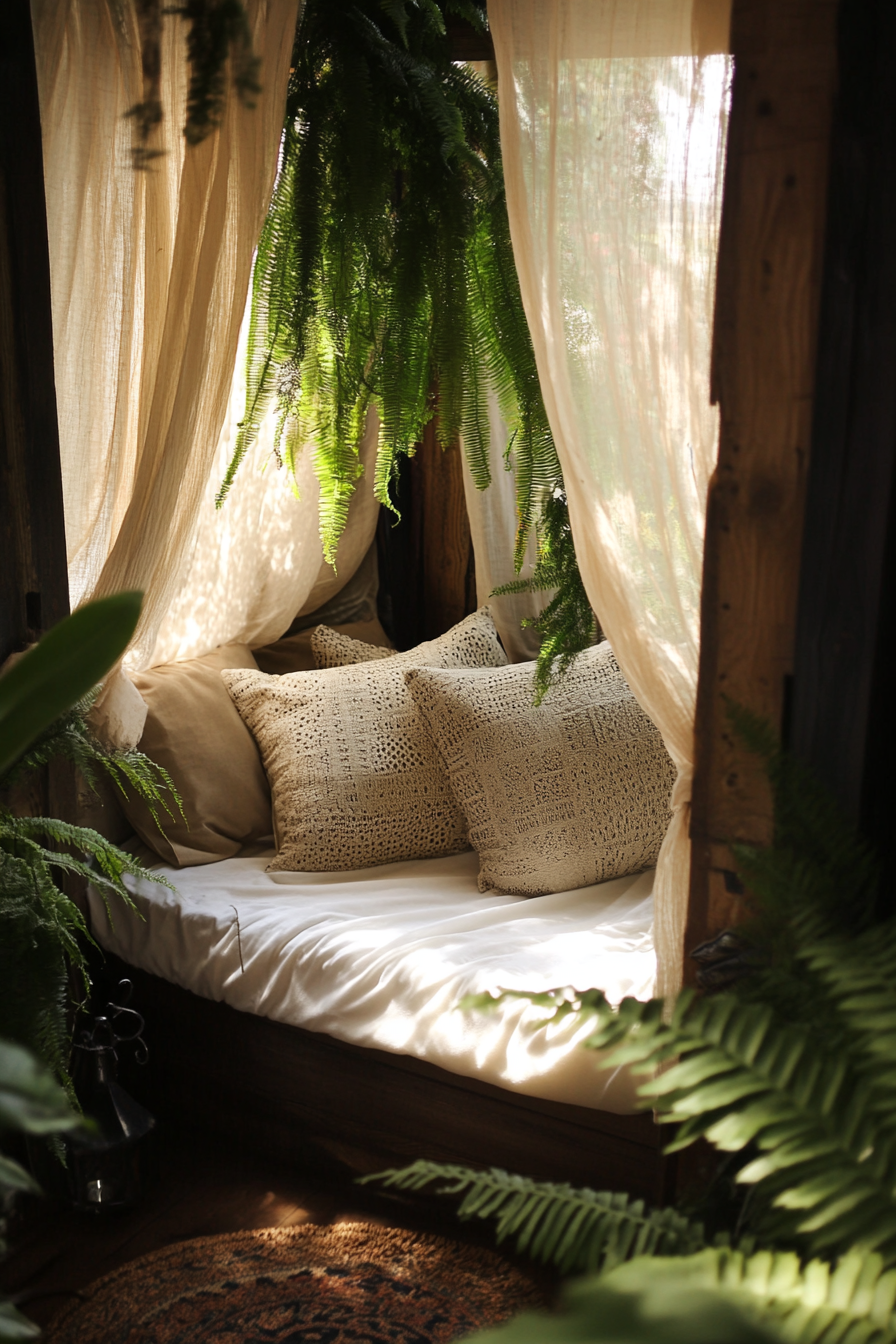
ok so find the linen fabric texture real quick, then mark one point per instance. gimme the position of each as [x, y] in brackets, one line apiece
[557, 796]
[615, 237]
[355, 776]
[331, 648]
[295, 653]
[194, 731]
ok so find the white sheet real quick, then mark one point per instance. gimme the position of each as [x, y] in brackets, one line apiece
[381, 957]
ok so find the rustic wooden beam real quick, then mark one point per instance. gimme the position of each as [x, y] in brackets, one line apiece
[771, 245]
[33, 578]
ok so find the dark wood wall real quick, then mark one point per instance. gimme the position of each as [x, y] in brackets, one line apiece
[33, 578]
[427, 574]
[843, 713]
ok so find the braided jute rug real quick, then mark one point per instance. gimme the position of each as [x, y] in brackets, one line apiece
[347, 1284]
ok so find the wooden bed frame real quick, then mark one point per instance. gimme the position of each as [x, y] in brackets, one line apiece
[280, 1089]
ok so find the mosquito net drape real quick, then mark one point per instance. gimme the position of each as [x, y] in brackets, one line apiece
[613, 120]
[150, 272]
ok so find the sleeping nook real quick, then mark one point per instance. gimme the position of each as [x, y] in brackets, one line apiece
[464, 436]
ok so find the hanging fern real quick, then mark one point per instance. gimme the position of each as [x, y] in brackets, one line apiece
[385, 277]
[567, 625]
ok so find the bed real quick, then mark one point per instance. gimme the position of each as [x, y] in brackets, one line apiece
[289, 1003]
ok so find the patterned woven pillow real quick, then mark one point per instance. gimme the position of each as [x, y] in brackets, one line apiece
[572, 792]
[354, 774]
[332, 649]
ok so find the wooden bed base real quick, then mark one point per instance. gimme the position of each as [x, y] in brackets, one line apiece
[275, 1088]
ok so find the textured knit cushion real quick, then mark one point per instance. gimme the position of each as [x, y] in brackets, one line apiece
[572, 792]
[293, 652]
[193, 730]
[331, 648]
[355, 776]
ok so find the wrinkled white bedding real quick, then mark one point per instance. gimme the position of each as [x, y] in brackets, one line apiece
[381, 957]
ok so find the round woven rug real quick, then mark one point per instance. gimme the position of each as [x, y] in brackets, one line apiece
[315, 1285]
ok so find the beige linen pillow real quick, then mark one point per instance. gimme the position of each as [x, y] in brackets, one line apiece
[355, 777]
[293, 653]
[332, 648]
[560, 796]
[194, 731]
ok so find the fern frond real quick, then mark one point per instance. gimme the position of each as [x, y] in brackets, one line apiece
[385, 274]
[825, 1169]
[575, 1230]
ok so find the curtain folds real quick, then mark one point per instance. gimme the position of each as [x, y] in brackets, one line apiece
[613, 123]
[150, 272]
[492, 515]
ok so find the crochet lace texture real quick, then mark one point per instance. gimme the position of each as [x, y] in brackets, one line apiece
[573, 792]
[355, 777]
[332, 649]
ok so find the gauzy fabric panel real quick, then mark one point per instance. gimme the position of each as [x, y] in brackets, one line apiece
[558, 795]
[257, 561]
[382, 958]
[355, 777]
[613, 125]
[493, 524]
[150, 272]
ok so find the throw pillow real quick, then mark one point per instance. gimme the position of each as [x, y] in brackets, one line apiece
[355, 777]
[571, 792]
[293, 653]
[193, 730]
[331, 648]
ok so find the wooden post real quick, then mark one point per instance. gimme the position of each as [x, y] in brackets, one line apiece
[33, 579]
[426, 560]
[770, 254]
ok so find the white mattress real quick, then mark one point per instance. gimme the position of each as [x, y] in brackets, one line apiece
[381, 957]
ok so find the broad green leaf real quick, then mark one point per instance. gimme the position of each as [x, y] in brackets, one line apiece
[67, 663]
[30, 1098]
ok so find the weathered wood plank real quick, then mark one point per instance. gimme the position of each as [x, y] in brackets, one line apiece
[766, 321]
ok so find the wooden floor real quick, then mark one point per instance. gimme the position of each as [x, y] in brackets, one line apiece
[200, 1189]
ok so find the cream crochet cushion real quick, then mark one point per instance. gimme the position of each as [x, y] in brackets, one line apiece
[332, 649]
[355, 777]
[572, 792]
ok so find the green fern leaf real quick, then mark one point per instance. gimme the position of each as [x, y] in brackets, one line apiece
[573, 1229]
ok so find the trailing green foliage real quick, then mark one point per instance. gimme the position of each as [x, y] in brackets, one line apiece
[567, 625]
[43, 935]
[385, 271]
[573, 1229]
[31, 1102]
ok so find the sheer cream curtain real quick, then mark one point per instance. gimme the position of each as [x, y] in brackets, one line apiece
[492, 515]
[613, 124]
[149, 273]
